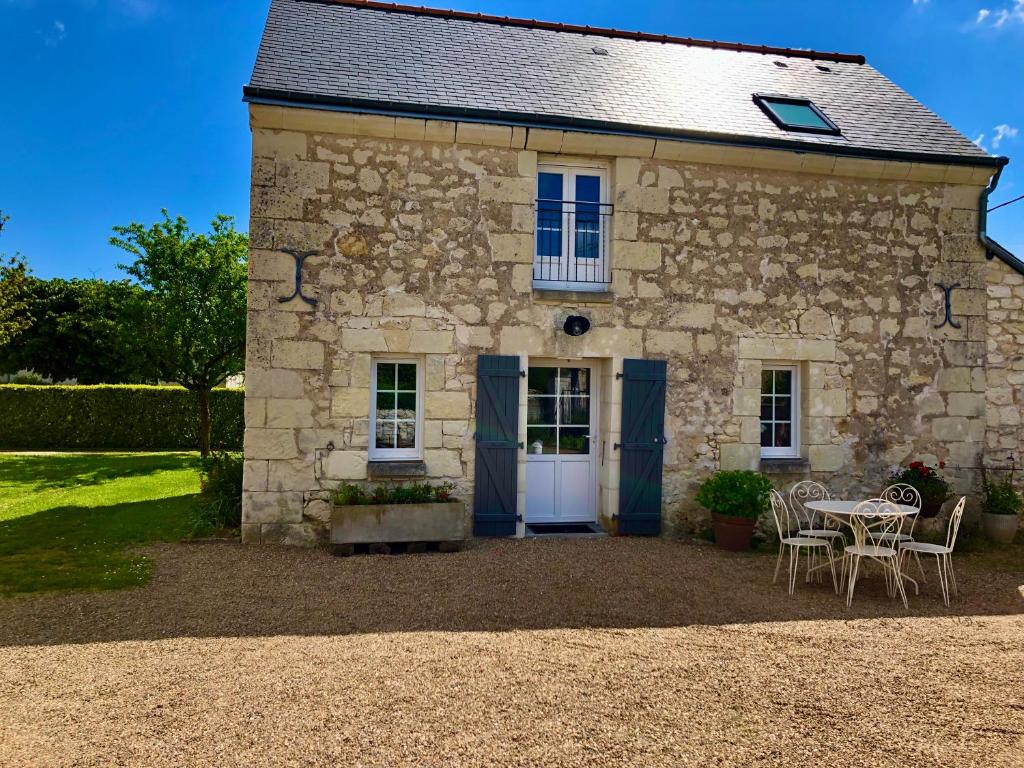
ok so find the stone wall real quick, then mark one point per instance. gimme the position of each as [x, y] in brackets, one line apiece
[423, 239]
[1005, 391]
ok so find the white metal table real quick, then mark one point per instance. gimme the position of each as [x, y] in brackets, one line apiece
[841, 510]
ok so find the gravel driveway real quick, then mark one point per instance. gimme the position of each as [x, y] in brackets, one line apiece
[556, 653]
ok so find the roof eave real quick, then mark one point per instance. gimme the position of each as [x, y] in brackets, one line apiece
[258, 95]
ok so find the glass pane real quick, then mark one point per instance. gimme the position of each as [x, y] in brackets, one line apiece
[549, 230]
[540, 440]
[385, 405]
[407, 434]
[385, 434]
[549, 186]
[766, 382]
[407, 405]
[385, 375]
[766, 409]
[783, 436]
[588, 234]
[766, 435]
[796, 114]
[407, 376]
[783, 382]
[542, 381]
[575, 410]
[540, 410]
[588, 189]
[574, 440]
[782, 409]
[574, 381]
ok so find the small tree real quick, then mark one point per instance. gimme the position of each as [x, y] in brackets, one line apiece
[14, 276]
[197, 283]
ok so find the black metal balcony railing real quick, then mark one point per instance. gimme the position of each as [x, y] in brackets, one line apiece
[572, 242]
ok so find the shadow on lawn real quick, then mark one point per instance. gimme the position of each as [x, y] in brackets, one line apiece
[51, 471]
[226, 590]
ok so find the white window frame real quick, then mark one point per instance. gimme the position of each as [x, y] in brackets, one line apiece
[570, 169]
[389, 454]
[793, 451]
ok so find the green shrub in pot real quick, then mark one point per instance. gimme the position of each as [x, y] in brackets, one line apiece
[735, 499]
[1001, 506]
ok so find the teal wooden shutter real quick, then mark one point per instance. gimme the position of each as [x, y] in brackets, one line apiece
[497, 442]
[643, 446]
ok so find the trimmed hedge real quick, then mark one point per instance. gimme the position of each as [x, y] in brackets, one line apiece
[115, 418]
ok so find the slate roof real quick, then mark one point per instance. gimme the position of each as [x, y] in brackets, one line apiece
[355, 54]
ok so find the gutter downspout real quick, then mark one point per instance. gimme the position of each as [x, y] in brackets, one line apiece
[992, 248]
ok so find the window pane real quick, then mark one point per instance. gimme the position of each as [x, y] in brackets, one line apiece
[783, 436]
[540, 440]
[766, 409]
[385, 405]
[783, 382]
[796, 114]
[782, 409]
[549, 186]
[407, 405]
[407, 376]
[407, 434]
[588, 189]
[574, 381]
[767, 379]
[574, 440]
[385, 434]
[540, 410]
[385, 376]
[766, 435]
[575, 410]
[542, 381]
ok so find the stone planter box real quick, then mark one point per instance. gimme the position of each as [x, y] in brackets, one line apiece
[400, 523]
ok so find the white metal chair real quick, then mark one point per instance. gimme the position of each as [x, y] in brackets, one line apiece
[906, 495]
[875, 522]
[795, 544]
[811, 523]
[943, 553]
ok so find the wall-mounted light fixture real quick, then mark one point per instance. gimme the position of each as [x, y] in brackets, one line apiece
[576, 325]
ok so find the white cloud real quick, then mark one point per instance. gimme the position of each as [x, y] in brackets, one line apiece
[920, 2]
[1003, 131]
[980, 140]
[55, 35]
[1001, 17]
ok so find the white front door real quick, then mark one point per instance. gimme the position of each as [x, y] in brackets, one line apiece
[561, 444]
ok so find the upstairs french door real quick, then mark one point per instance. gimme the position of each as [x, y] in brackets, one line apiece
[573, 218]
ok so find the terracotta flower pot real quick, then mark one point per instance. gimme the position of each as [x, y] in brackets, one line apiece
[733, 533]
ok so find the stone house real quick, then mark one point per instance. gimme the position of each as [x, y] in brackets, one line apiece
[573, 271]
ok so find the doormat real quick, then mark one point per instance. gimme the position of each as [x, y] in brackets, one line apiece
[564, 529]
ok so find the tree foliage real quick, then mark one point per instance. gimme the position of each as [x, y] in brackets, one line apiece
[197, 286]
[14, 275]
[92, 331]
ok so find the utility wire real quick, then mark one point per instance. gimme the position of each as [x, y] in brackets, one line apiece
[1001, 205]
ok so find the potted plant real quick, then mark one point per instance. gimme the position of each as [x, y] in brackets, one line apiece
[1000, 508]
[929, 483]
[419, 512]
[735, 500]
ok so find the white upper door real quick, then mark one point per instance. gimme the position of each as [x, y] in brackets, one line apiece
[573, 216]
[561, 445]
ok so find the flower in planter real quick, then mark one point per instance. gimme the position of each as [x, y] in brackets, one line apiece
[929, 483]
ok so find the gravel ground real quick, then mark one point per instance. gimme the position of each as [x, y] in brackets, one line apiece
[519, 653]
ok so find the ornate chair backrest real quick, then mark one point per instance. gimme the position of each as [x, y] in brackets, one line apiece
[803, 492]
[875, 517]
[781, 514]
[954, 522]
[906, 495]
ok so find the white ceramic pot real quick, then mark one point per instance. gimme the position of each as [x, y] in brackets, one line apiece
[1000, 528]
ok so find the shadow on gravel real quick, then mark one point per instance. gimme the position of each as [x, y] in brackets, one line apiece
[226, 590]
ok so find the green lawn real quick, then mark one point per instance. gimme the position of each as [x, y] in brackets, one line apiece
[67, 519]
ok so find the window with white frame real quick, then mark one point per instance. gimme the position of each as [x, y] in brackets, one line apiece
[780, 411]
[396, 409]
[573, 227]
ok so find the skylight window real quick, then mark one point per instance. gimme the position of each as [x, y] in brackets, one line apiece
[795, 114]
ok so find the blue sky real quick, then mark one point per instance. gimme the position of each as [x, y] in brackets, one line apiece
[113, 109]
